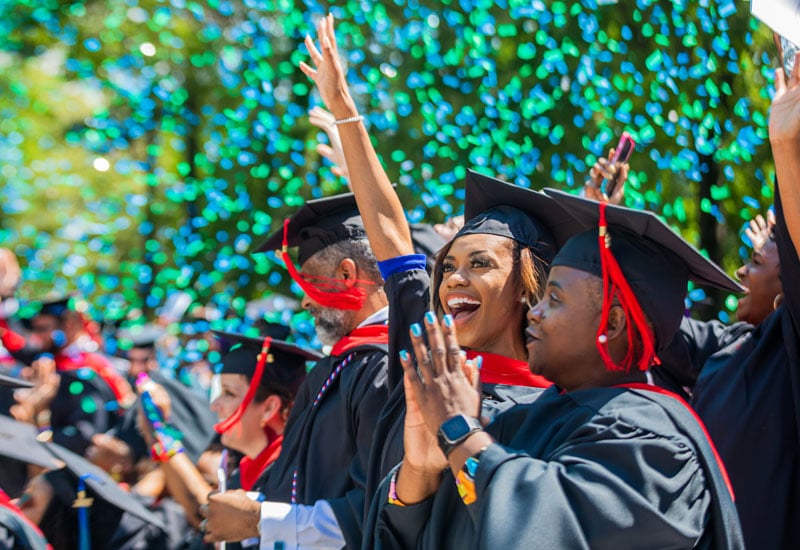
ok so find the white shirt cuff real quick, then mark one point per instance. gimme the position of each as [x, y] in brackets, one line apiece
[299, 527]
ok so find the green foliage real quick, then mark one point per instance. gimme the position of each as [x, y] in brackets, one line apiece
[199, 111]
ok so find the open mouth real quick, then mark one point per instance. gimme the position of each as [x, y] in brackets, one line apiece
[462, 308]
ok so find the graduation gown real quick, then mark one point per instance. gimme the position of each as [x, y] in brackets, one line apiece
[327, 444]
[408, 293]
[748, 395]
[83, 406]
[600, 468]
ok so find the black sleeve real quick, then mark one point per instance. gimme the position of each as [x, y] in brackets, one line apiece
[79, 411]
[682, 361]
[408, 293]
[395, 527]
[790, 275]
[364, 404]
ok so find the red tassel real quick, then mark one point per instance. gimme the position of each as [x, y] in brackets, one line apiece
[615, 284]
[350, 298]
[228, 423]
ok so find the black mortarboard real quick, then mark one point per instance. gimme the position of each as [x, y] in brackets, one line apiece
[655, 261]
[18, 441]
[318, 224]
[496, 207]
[242, 356]
[55, 305]
[101, 486]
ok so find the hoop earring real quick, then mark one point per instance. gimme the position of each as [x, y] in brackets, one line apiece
[777, 301]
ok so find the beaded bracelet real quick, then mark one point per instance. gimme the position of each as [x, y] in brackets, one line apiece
[357, 118]
[162, 453]
[465, 478]
[393, 490]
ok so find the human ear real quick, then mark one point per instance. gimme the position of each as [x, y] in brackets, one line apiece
[616, 326]
[347, 271]
[272, 407]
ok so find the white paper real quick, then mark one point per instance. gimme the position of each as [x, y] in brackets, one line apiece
[782, 16]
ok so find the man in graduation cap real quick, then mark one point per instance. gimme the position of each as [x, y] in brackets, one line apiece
[601, 459]
[315, 490]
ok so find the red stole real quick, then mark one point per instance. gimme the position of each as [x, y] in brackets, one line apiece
[498, 369]
[370, 334]
[250, 469]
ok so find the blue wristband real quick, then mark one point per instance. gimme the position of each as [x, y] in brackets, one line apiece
[401, 263]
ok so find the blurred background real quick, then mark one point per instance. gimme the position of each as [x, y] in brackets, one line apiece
[147, 147]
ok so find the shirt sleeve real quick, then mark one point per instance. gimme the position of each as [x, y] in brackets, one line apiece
[298, 526]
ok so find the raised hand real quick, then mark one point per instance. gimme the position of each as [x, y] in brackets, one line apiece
[784, 119]
[328, 74]
[759, 229]
[615, 173]
[324, 120]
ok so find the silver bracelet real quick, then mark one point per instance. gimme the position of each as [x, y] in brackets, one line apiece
[357, 118]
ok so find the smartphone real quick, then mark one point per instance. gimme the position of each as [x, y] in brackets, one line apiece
[622, 153]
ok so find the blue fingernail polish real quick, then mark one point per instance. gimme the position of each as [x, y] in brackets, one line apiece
[403, 355]
[448, 320]
[430, 318]
[416, 330]
[479, 361]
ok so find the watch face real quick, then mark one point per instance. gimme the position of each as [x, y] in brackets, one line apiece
[455, 428]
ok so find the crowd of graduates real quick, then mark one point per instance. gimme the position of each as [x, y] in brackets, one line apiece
[526, 376]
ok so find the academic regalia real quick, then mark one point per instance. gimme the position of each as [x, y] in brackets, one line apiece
[83, 406]
[605, 467]
[331, 427]
[559, 478]
[329, 434]
[115, 518]
[494, 207]
[748, 395]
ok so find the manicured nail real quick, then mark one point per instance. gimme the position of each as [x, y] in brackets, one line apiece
[430, 318]
[416, 330]
[479, 361]
[403, 355]
[448, 320]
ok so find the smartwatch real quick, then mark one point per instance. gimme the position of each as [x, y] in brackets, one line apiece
[455, 430]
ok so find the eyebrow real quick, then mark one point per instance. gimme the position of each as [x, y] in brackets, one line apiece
[555, 284]
[470, 255]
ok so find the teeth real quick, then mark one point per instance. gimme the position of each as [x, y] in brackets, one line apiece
[455, 302]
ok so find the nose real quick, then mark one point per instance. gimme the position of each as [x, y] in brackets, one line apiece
[741, 273]
[534, 314]
[214, 405]
[306, 302]
[457, 278]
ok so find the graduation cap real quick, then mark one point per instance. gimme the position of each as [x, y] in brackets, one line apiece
[99, 501]
[278, 363]
[317, 225]
[643, 263]
[496, 207]
[18, 441]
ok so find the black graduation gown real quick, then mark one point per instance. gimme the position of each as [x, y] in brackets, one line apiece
[328, 444]
[748, 395]
[600, 468]
[408, 293]
[83, 406]
[16, 534]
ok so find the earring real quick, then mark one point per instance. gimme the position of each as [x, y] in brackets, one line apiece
[602, 339]
[777, 301]
[523, 300]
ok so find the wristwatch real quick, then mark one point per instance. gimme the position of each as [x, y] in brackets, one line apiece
[455, 430]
